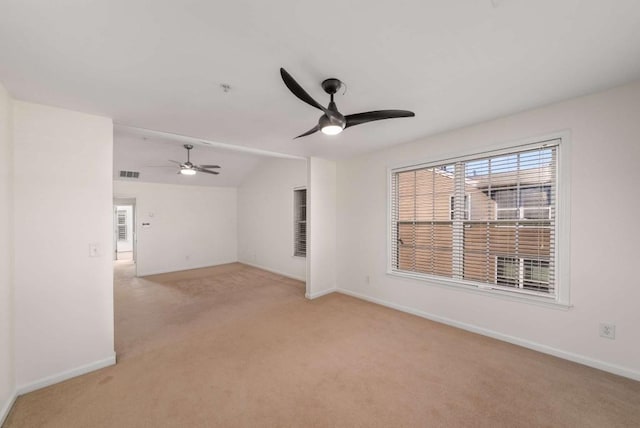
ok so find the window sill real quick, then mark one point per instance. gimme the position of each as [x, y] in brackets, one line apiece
[548, 302]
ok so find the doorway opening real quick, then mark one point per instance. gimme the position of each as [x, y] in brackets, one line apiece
[124, 233]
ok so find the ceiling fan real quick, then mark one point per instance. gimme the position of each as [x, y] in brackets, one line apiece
[333, 122]
[188, 168]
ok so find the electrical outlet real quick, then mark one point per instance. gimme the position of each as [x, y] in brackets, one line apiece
[608, 330]
[367, 280]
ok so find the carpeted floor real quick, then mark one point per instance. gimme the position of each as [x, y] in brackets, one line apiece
[234, 346]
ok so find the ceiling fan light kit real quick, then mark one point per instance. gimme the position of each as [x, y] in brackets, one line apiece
[331, 129]
[329, 126]
[332, 122]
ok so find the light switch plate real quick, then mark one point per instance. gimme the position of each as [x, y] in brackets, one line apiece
[95, 250]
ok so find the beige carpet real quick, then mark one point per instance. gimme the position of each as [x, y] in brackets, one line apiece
[234, 346]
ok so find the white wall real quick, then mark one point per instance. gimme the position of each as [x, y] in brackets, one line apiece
[321, 235]
[265, 216]
[7, 378]
[605, 174]
[189, 226]
[63, 203]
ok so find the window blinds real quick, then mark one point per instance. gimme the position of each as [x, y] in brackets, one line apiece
[122, 225]
[300, 223]
[487, 220]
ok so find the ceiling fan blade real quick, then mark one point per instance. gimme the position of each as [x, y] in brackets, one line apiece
[209, 166]
[298, 91]
[200, 169]
[370, 116]
[309, 132]
[179, 163]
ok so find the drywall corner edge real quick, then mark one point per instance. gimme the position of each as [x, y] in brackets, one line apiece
[68, 374]
[4, 411]
[320, 293]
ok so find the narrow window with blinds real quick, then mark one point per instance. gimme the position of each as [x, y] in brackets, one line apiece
[486, 221]
[300, 222]
[122, 225]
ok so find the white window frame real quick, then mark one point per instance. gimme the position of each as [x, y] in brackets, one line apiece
[562, 258]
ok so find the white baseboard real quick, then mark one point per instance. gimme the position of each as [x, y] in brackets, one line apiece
[312, 296]
[68, 374]
[6, 408]
[598, 364]
[183, 268]
[277, 272]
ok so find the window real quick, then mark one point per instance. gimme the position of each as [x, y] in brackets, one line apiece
[524, 202]
[300, 222]
[528, 274]
[505, 241]
[122, 225]
[467, 201]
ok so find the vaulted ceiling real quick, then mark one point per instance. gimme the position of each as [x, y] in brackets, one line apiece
[160, 65]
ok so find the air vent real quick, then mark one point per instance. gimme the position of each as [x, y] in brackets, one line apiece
[129, 174]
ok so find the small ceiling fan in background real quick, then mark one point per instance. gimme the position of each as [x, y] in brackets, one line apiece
[188, 168]
[333, 122]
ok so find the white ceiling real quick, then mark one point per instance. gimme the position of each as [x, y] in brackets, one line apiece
[150, 155]
[159, 65]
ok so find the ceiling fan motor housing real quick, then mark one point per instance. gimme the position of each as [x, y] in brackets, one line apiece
[337, 119]
[331, 86]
